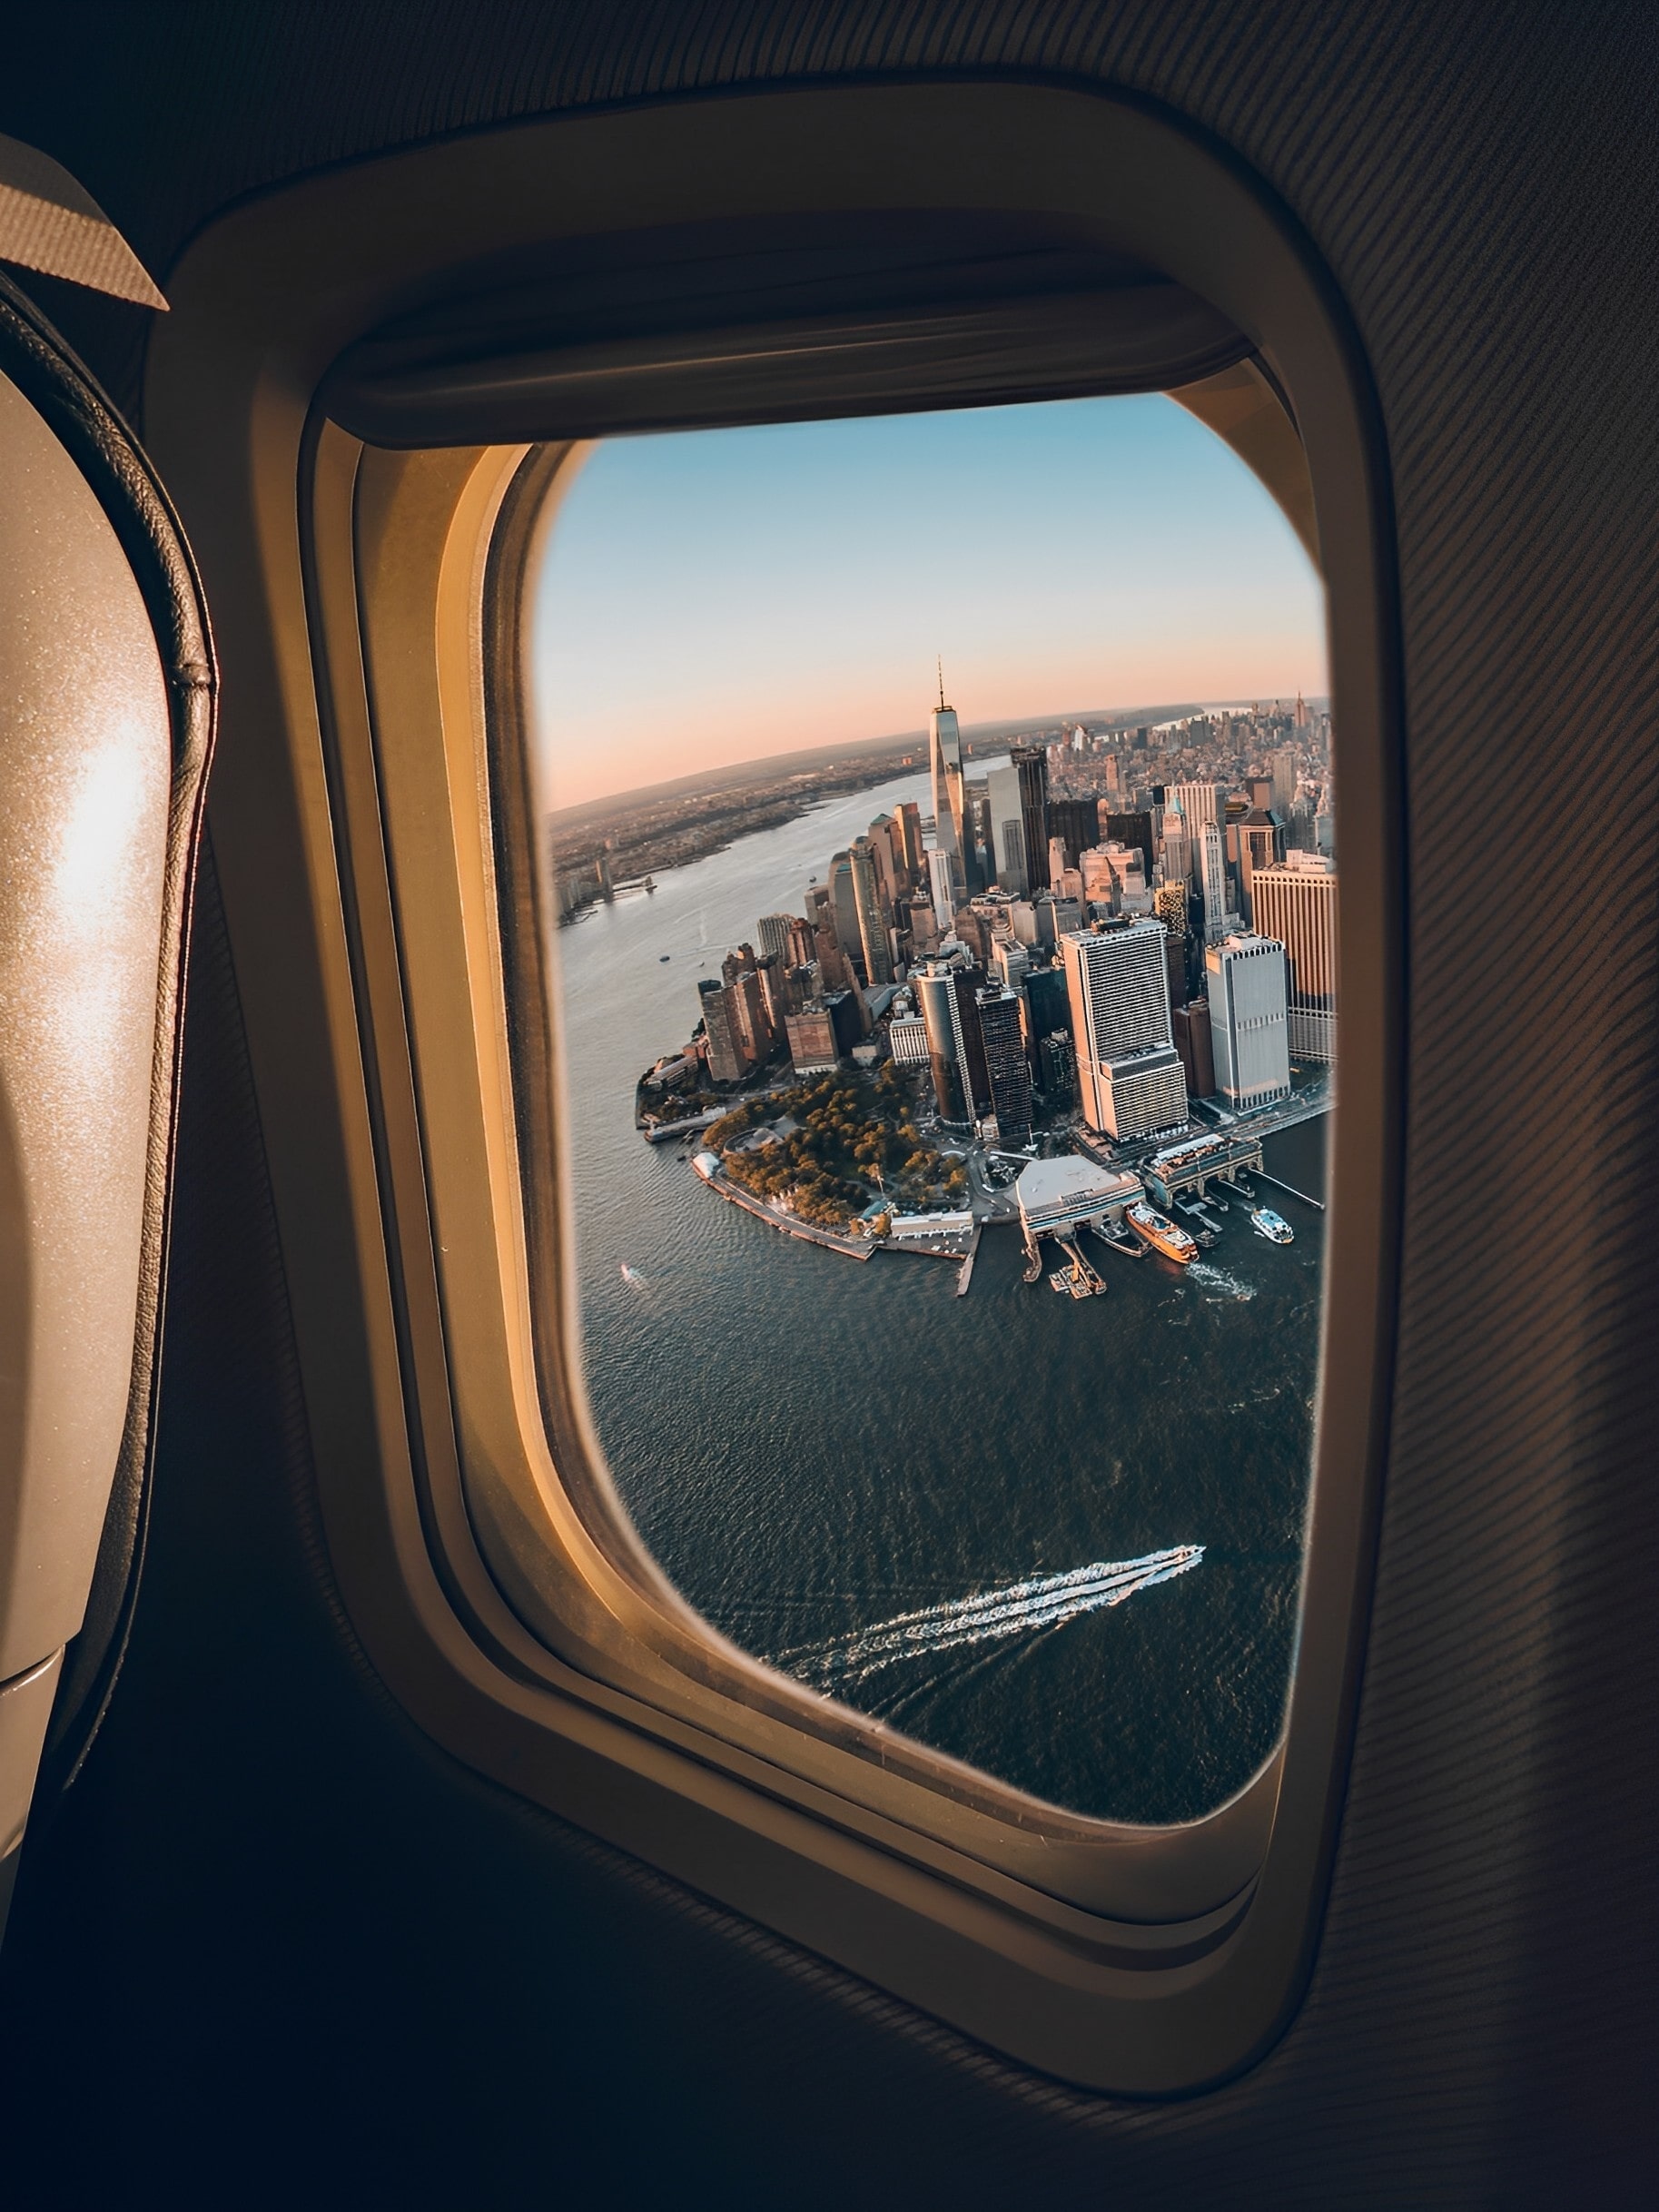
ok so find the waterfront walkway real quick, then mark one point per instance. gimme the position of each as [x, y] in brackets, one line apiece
[856, 1247]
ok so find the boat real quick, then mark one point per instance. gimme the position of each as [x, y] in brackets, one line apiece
[661, 956]
[1272, 1226]
[1157, 1230]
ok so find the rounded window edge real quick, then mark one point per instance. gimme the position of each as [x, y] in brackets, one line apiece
[1320, 367]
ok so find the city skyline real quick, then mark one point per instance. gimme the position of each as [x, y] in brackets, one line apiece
[721, 596]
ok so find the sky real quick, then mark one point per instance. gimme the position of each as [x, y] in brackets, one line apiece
[712, 597]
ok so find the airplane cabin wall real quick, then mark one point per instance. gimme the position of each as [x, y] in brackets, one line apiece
[274, 1942]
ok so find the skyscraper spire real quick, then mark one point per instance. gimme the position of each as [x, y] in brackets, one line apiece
[942, 681]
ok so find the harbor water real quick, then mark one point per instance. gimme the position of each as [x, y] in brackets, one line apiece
[817, 1452]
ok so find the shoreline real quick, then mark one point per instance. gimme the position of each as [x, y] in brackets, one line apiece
[862, 1248]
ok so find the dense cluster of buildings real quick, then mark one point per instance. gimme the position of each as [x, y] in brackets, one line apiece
[1063, 935]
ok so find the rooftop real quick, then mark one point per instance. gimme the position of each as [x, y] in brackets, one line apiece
[1070, 1180]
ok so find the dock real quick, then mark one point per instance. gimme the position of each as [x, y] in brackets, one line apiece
[966, 1277]
[1290, 1190]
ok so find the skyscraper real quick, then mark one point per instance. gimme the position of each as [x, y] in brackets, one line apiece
[1007, 1073]
[1007, 830]
[1297, 904]
[1076, 823]
[1128, 1071]
[773, 932]
[872, 914]
[945, 764]
[947, 1052]
[945, 883]
[844, 908]
[907, 823]
[1212, 882]
[1248, 1030]
[1177, 845]
[1261, 844]
[726, 1057]
[1031, 764]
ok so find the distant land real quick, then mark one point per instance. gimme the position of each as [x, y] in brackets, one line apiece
[665, 826]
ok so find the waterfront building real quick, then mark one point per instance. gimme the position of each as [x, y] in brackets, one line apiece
[751, 1021]
[802, 947]
[1297, 904]
[1057, 1197]
[1191, 1028]
[1128, 1075]
[1008, 1074]
[1247, 1027]
[871, 915]
[775, 934]
[726, 1056]
[844, 908]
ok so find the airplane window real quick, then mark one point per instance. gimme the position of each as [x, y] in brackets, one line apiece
[942, 891]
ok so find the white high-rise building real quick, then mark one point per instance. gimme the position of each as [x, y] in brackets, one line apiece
[1128, 1075]
[944, 762]
[1247, 1020]
[944, 883]
[1297, 904]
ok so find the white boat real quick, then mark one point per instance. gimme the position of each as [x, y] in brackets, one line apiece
[1272, 1226]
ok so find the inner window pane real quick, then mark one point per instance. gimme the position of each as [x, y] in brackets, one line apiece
[940, 842]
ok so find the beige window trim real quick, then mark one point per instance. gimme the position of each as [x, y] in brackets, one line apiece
[358, 825]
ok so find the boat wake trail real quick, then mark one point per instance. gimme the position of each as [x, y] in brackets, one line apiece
[1045, 1601]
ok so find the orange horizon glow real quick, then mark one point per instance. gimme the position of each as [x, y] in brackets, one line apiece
[722, 597]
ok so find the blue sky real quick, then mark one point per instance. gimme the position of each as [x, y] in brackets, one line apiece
[719, 595]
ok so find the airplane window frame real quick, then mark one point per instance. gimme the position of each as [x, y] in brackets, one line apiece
[1104, 1956]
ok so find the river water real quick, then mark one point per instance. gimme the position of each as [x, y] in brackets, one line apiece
[812, 1449]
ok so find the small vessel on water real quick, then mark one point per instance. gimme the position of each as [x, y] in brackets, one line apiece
[632, 1277]
[1272, 1226]
[1157, 1230]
